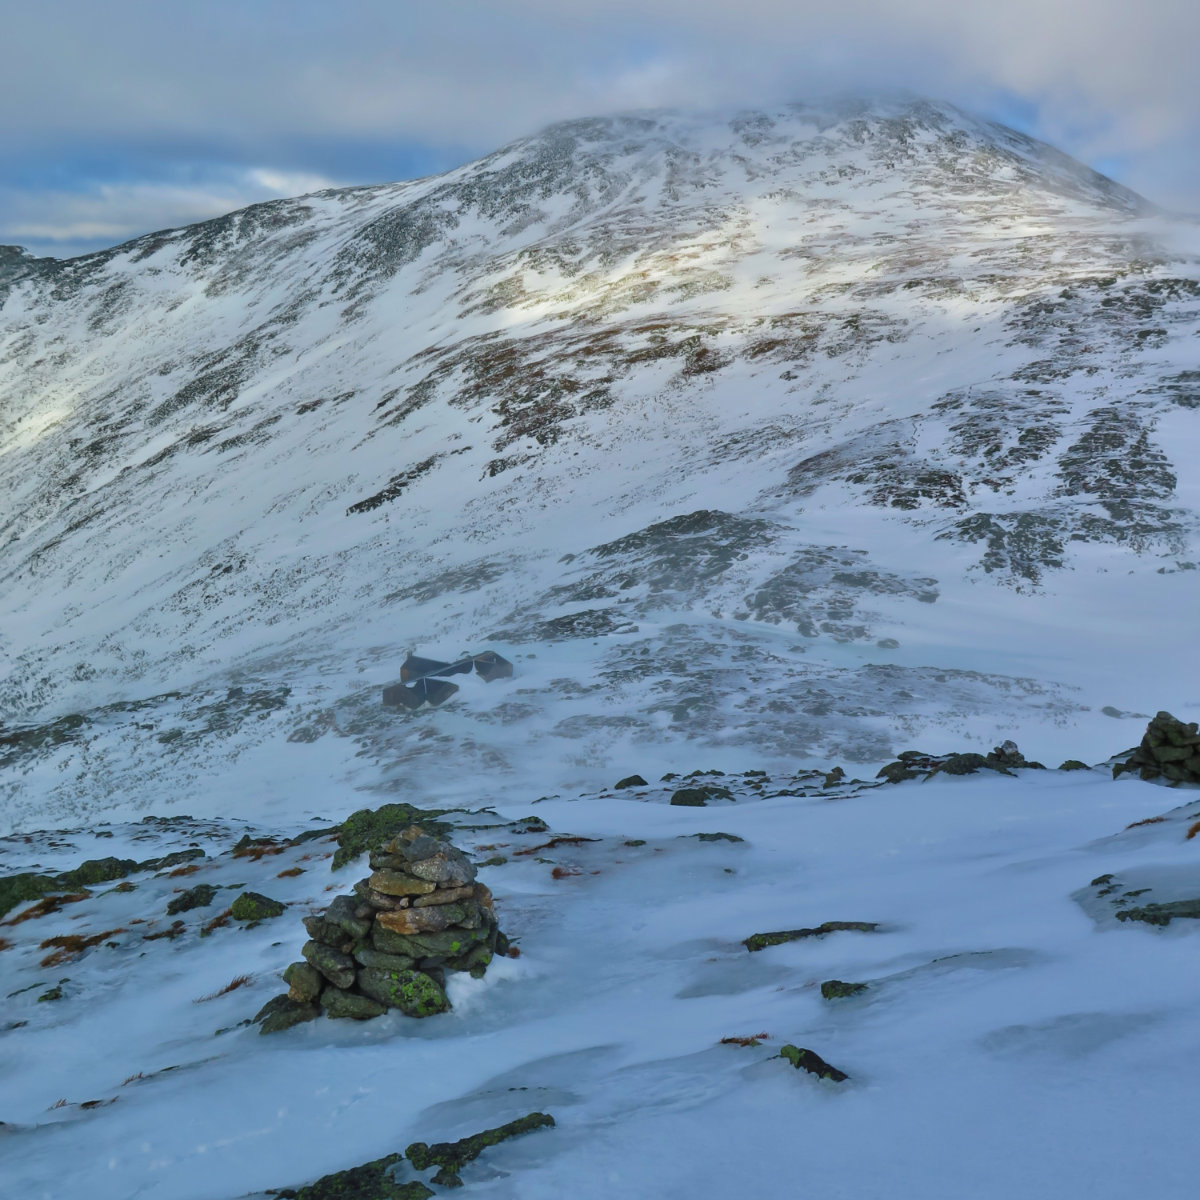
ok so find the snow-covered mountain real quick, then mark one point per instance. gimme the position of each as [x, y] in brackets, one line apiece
[785, 436]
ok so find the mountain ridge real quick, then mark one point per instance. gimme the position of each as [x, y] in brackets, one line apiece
[837, 374]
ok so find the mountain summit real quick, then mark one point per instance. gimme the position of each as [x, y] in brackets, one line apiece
[787, 434]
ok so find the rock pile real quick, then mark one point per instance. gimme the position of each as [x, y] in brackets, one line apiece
[1170, 750]
[418, 915]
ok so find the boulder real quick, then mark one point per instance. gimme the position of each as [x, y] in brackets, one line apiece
[631, 781]
[414, 993]
[200, 896]
[254, 906]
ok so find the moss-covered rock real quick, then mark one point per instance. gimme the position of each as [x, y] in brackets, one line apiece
[897, 772]
[304, 982]
[1163, 914]
[838, 989]
[1073, 764]
[349, 1005]
[372, 828]
[698, 797]
[811, 1061]
[96, 870]
[200, 896]
[631, 781]
[368, 957]
[282, 1012]
[254, 906]
[335, 966]
[20, 889]
[760, 941]
[453, 1156]
[412, 992]
[371, 1181]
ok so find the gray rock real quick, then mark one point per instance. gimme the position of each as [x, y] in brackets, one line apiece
[342, 912]
[200, 896]
[348, 1005]
[304, 982]
[337, 967]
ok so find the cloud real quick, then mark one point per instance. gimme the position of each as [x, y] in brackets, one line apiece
[64, 222]
[366, 88]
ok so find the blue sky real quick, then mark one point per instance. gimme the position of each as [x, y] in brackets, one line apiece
[133, 115]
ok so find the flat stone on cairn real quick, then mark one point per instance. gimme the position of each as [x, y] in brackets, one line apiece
[418, 915]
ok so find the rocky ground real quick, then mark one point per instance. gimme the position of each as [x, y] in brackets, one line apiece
[946, 955]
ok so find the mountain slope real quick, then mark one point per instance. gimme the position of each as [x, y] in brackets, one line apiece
[789, 434]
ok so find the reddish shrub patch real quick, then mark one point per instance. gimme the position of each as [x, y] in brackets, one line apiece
[1147, 821]
[70, 946]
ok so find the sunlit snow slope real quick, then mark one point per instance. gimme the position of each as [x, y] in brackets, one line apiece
[792, 435]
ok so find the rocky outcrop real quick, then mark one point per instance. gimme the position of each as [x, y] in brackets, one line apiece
[1169, 750]
[389, 945]
[913, 764]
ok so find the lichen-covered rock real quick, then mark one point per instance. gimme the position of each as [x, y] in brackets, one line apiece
[811, 1061]
[343, 912]
[429, 949]
[963, 764]
[1073, 764]
[1163, 914]
[371, 1181]
[350, 1006]
[693, 797]
[897, 772]
[432, 919]
[368, 957]
[254, 906]
[337, 967]
[282, 1012]
[760, 941]
[838, 989]
[397, 883]
[453, 1156]
[321, 930]
[20, 889]
[449, 866]
[371, 829]
[631, 781]
[414, 993]
[200, 896]
[449, 895]
[304, 982]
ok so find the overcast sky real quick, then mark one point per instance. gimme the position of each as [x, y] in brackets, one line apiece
[123, 116]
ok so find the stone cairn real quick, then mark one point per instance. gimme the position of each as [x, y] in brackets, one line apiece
[1170, 750]
[418, 915]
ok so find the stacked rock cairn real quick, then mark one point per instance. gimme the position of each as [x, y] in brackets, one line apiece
[1170, 749]
[418, 915]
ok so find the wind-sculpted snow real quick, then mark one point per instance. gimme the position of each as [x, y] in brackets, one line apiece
[798, 410]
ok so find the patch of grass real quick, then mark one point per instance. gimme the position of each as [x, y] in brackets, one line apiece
[190, 869]
[290, 873]
[46, 906]
[1147, 821]
[754, 1039]
[174, 930]
[236, 982]
[69, 946]
[218, 922]
[1192, 831]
